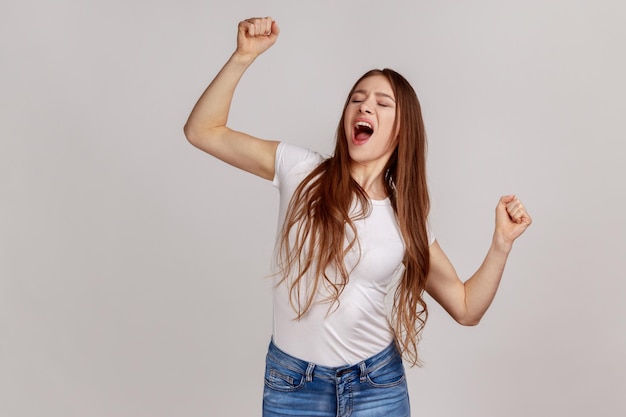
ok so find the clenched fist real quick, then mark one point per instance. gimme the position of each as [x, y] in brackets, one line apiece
[256, 35]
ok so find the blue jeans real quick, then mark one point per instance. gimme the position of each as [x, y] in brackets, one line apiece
[375, 387]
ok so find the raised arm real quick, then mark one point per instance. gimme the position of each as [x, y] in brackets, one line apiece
[468, 301]
[206, 126]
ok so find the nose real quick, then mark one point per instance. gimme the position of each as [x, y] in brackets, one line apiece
[365, 108]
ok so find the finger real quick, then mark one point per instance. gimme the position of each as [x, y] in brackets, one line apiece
[267, 26]
[512, 209]
[506, 199]
[515, 216]
[251, 26]
[517, 211]
[523, 215]
[259, 26]
[275, 30]
[512, 206]
[245, 26]
[503, 205]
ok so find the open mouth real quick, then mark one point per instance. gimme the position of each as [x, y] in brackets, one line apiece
[362, 131]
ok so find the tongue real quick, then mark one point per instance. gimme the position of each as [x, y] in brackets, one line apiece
[362, 136]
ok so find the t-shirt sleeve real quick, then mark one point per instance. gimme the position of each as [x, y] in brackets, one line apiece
[293, 160]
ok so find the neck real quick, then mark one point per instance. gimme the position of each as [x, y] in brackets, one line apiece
[371, 179]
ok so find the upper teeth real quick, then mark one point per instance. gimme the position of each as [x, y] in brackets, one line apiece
[363, 124]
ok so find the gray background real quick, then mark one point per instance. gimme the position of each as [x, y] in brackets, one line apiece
[132, 265]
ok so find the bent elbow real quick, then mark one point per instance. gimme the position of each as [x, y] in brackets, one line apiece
[468, 321]
[190, 134]
[202, 137]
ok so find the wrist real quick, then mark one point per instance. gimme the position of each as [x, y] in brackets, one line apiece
[243, 58]
[501, 244]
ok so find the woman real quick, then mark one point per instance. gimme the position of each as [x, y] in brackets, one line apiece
[355, 253]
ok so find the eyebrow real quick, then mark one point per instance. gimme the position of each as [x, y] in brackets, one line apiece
[377, 94]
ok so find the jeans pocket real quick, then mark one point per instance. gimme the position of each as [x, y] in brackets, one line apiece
[386, 376]
[280, 378]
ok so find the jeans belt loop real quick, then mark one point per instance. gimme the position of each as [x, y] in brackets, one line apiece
[309, 372]
[363, 373]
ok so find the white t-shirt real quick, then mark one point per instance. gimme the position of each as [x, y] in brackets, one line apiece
[358, 327]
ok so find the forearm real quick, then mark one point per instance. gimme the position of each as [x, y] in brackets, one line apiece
[481, 288]
[213, 106]
[468, 301]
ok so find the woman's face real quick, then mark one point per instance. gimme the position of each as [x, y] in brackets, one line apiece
[368, 122]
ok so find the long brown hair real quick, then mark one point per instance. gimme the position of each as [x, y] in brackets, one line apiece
[319, 220]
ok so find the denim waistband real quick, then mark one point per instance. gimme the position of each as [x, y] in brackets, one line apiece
[311, 370]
